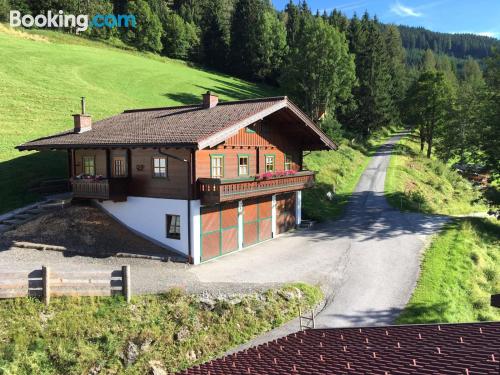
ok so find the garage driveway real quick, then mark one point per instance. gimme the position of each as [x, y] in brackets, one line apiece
[368, 260]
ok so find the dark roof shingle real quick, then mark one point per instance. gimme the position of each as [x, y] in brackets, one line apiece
[471, 348]
[182, 125]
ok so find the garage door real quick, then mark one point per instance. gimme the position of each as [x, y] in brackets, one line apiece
[219, 230]
[257, 220]
[285, 212]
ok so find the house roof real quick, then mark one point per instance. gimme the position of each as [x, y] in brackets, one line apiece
[190, 125]
[471, 348]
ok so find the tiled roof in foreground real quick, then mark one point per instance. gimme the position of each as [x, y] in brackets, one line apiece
[181, 125]
[471, 348]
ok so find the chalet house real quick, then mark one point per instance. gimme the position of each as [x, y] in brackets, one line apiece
[203, 180]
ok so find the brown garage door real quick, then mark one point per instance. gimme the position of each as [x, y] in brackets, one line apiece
[285, 212]
[257, 220]
[219, 230]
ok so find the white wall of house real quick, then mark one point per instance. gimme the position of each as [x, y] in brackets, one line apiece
[147, 216]
[298, 207]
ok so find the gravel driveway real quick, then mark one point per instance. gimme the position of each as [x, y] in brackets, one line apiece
[369, 258]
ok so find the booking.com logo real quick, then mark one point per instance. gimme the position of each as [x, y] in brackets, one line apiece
[80, 22]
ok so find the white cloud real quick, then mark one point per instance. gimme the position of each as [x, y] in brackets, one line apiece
[491, 34]
[404, 11]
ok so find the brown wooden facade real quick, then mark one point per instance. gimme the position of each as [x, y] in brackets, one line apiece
[187, 169]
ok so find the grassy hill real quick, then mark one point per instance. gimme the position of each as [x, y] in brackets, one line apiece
[460, 272]
[417, 183]
[43, 76]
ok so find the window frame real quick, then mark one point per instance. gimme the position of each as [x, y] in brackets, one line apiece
[84, 165]
[222, 166]
[123, 159]
[285, 162]
[247, 156]
[274, 162]
[176, 234]
[159, 167]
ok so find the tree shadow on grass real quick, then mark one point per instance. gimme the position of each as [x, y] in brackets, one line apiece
[19, 175]
[420, 313]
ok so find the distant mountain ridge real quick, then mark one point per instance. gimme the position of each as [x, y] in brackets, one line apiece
[456, 45]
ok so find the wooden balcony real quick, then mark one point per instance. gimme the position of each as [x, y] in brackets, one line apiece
[215, 190]
[114, 189]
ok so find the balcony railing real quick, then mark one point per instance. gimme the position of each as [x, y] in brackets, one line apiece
[107, 189]
[215, 190]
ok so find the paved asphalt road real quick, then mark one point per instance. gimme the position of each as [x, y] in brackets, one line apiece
[368, 260]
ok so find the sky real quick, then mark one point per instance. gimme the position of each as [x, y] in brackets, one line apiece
[452, 16]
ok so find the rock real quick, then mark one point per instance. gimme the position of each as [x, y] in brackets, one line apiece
[182, 334]
[132, 353]
[156, 368]
[207, 303]
[234, 301]
[191, 355]
[288, 295]
[95, 370]
[146, 345]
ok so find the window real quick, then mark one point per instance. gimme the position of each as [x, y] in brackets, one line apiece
[288, 162]
[119, 167]
[269, 163]
[243, 165]
[217, 166]
[174, 227]
[89, 165]
[159, 167]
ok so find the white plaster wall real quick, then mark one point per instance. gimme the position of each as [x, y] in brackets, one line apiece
[196, 231]
[148, 217]
[240, 225]
[298, 207]
[273, 215]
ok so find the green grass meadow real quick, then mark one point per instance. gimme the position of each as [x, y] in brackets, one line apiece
[43, 74]
[460, 272]
[417, 183]
[171, 331]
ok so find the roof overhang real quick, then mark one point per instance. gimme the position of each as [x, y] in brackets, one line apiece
[232, 130]
[27, 147]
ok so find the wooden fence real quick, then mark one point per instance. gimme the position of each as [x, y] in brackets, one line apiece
[44, 283]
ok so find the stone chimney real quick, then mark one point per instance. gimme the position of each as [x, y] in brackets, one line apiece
[209, 100]
[83, 122]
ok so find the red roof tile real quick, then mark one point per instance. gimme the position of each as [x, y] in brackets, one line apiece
[472, 348]
[182, 125]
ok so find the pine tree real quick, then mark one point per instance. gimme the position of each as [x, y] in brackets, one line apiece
[215, 38]
[396, 61]
[258, 40]
[319, 79]
[374, 105]
[429, 61]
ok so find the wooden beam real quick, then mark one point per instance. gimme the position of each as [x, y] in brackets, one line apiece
[46, 284]
[126, 288]
[108, 164]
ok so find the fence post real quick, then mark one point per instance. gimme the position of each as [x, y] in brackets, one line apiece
[126, 282]
[46, 284]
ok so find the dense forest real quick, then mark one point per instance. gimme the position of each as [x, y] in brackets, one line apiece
[353, 76]
[457, 45]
